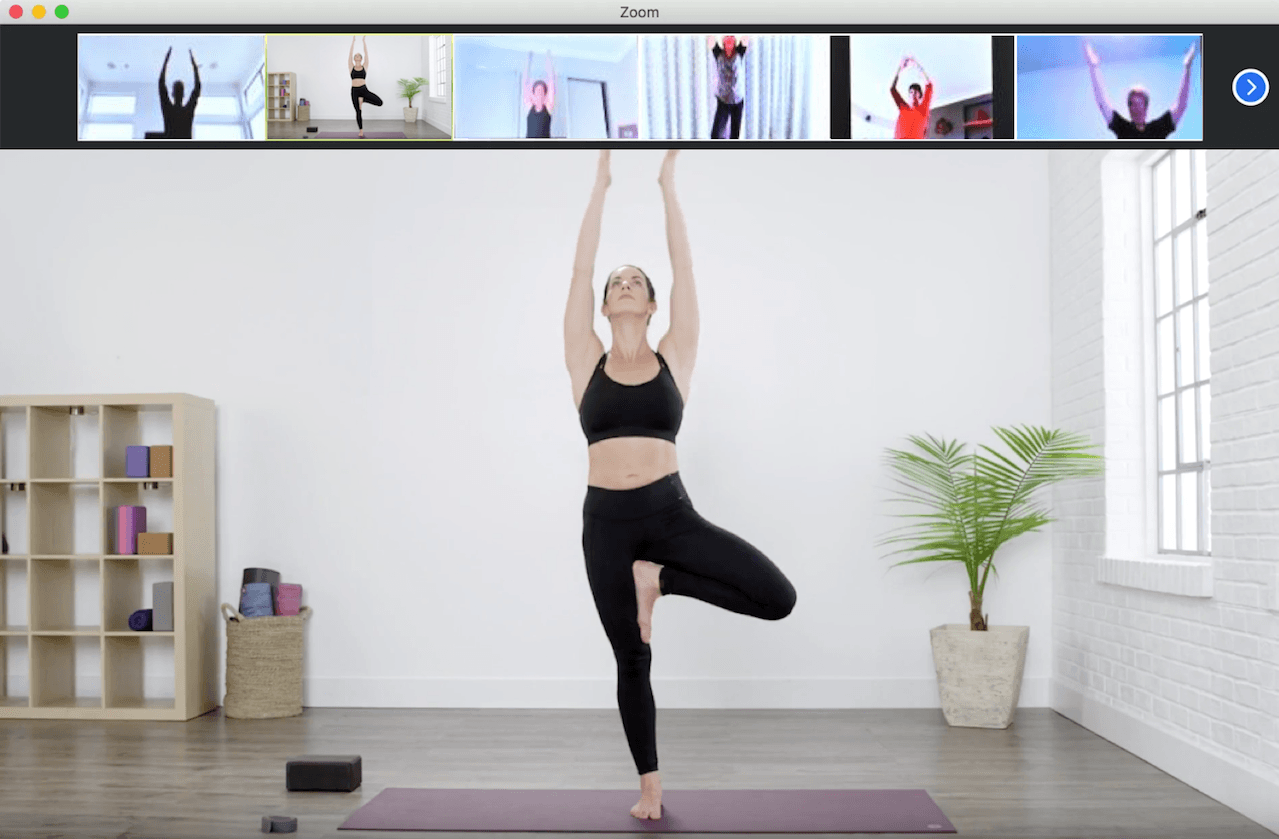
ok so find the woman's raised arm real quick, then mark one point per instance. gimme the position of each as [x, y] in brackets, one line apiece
[681, 339]
[580, 341]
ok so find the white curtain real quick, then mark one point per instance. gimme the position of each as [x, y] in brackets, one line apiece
[679, 94]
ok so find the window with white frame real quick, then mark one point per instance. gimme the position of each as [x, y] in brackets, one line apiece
[112, 105]
[255, 104]
[220, 107]
[218, 131]
[107, 131]
[108, 116]
[1178, 201]
[440, 66]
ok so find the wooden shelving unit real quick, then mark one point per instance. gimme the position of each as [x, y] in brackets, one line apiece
[281, 97]
[66, 650]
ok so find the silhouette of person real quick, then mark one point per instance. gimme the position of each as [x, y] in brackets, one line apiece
[178, 116]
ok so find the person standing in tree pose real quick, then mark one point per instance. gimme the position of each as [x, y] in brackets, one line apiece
[358, 65]
[641, 536]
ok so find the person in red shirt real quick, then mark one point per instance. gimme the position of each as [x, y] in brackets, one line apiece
[912, 117]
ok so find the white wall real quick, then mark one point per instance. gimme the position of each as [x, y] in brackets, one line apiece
[401, 440]
[436, 110]
[1180, 665]
[325, 81]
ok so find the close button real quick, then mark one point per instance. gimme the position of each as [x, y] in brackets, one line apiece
[1251, 87]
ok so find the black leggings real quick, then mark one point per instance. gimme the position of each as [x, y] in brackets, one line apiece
[723, 111]
[371, 98]
[657, 522]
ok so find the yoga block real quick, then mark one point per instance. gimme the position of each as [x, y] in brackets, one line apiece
[323, 773]
[161, 462]
[130, 521]
[288, 598]
[162, 607]
[137, 462]
[155, 544]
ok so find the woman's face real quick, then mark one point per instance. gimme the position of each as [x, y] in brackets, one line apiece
[730, 45]
[539, 94]
[359, 59]
[627, 291]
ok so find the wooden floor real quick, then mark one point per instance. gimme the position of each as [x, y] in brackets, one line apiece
[216, 778]
[419, 130]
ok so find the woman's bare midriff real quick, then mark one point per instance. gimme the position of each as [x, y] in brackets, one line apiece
[357, 82]
[630, 462]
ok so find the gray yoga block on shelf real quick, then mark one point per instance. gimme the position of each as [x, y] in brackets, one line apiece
[323, 773]
[162, 607]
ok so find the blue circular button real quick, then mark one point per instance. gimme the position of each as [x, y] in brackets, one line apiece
[1251, 87]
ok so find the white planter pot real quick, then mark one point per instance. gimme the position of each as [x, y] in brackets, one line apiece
[410, 114]
[979, 673]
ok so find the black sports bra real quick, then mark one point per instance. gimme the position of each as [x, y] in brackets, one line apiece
[611, 409]
[359, 74]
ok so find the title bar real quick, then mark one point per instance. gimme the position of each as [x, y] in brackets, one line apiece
[656, 13]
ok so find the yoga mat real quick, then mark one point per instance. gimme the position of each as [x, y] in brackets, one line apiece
[368, 135]
[683, 811]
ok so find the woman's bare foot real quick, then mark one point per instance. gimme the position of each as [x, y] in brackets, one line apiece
[650, 803]
[647, 590]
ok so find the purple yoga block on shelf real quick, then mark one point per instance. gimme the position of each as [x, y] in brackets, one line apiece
[130, 521]
[137, 462]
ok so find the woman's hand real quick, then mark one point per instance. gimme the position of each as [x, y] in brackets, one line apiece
[1090, 55]
[1190, 56]
[603, 175]
[667, 176]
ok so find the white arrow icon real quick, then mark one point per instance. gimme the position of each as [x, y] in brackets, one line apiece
[1256, 93]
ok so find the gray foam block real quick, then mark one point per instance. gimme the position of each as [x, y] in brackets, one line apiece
[162, 607]
[279, 824]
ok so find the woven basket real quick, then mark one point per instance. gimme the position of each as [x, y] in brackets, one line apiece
[263, 664]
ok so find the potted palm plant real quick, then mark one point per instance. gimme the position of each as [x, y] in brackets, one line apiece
[408, 89]
[963, 507]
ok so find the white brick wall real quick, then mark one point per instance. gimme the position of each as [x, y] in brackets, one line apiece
[1186, 679]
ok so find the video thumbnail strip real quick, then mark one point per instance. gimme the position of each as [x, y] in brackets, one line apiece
[681, 87]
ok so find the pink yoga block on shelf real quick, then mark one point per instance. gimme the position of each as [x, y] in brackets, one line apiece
[130, 521]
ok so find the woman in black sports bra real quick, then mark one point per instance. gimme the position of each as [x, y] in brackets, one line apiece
[641, 536]
[360, 93]
[539, 99]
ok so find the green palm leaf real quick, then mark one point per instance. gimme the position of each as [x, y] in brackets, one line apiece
[962, 507]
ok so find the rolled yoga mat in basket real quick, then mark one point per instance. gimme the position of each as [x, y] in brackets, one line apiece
[263, 664]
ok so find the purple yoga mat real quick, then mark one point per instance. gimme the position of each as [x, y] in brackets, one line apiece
[683, 811]
[368, 135]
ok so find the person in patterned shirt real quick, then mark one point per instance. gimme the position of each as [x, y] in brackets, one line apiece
[729, 52]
